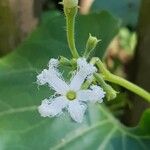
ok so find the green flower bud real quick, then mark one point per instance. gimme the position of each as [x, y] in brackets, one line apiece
[64, 61]
[90, 45]
[70, 3]
[110, 92]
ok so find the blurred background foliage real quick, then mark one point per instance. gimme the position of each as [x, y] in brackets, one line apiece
[126, 10]
[8, 30]
[19, 18]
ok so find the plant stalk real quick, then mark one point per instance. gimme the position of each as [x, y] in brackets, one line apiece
[128, 85]
[108, 76]
[70, 14]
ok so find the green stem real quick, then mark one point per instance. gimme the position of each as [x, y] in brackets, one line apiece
[70, 14]
[128, 85]
[120, 81]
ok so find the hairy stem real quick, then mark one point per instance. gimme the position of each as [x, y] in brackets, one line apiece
[70, 14]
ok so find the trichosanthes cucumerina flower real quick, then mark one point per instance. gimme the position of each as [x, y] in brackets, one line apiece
[69, 96]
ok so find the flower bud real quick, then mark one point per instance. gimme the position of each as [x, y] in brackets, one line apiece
[70, 3]
[92, 42]
[110, 92]
[90, 45]
[65, 62]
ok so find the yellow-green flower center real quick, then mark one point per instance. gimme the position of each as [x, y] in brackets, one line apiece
[71, 95]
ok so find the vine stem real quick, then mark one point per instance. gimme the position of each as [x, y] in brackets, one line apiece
[108, 76]
[70, 14]
[128, 85]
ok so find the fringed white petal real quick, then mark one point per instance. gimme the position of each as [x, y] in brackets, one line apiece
[43, 77]
[98, 92]
[84, 70]
[77, 81]
[54, 79]
[52, 107]
[95, 94]
[53, 63]
[56, 82]
[85, 67]
[76, 110]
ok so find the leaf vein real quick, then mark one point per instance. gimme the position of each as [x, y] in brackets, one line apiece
[18, 110]
[66, 141]
[107, 138]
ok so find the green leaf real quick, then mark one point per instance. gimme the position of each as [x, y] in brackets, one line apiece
[105, 27]
[22, 128]
[126, 10]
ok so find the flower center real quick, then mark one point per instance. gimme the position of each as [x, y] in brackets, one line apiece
[71, 95]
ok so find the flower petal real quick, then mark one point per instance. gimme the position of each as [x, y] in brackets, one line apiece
[84, 70]
[53, 63]
[53, 78]
[77, 81]
[94, 94]
[76, 110]
[42, 78]
[52, 107]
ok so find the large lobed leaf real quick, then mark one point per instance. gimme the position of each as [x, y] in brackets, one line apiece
[22, 128]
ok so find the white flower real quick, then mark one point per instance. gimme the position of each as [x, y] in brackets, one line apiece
[71, 96]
